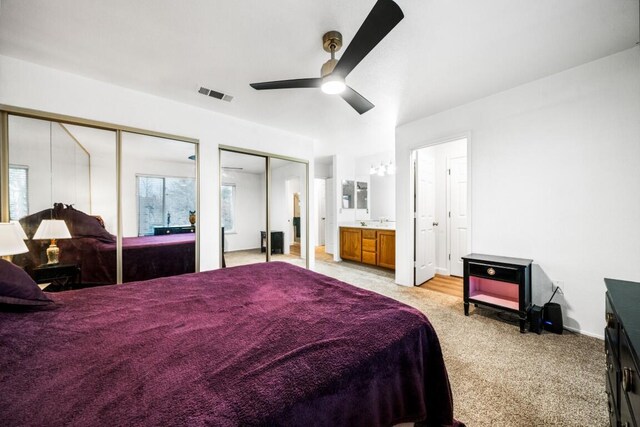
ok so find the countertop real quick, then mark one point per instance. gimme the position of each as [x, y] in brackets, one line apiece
[371, 225]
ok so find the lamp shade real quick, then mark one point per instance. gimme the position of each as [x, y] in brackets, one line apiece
[11, 242]
[52, 229]
[20, 230]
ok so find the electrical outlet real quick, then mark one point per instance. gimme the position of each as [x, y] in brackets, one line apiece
[557, 284]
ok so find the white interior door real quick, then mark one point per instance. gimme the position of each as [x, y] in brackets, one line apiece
[330, 211]
[459, 215]
[321, 214]
[425, 238]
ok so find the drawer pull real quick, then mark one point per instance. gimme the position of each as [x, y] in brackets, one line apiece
[627, 379]
[611, 320]
[491, 271]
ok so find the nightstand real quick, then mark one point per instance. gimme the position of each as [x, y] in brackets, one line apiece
[60, 276]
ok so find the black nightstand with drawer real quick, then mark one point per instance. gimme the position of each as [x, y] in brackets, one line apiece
[61, 276]
[621, 341]
[498, 282]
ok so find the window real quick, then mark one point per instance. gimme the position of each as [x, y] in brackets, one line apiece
[164, 201]
[228, 204]
[18, 192]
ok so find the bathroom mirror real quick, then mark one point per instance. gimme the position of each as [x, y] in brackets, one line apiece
[362, 195]
[348, 194]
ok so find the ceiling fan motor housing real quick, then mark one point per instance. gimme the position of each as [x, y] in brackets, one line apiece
[332, 41]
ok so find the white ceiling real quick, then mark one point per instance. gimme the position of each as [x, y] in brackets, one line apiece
[443, 54]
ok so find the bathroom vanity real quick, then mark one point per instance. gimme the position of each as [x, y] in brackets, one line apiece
[373, 245]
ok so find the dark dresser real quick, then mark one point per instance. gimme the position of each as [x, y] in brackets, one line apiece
[621, 341]
[499, 282]
[178, 229]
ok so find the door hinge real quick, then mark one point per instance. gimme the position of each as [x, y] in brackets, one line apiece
[449, 257]
[449, 171]
[449, 214]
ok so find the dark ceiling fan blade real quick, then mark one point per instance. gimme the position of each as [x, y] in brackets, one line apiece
[383, 17]
[357, 101]
[288, 84]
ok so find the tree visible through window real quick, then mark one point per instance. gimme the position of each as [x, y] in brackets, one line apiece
[18, 192]
[228, 202]
[164, 201]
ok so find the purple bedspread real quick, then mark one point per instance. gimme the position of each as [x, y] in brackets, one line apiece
[265, 344]
[143, 258]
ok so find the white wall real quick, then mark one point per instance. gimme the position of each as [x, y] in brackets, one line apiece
[554, 177]
[250, 215]
[323, 170]
[27, 85]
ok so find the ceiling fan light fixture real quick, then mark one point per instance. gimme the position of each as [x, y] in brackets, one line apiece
[333, 85]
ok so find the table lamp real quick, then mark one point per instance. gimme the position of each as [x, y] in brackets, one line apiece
[52, 229]
[20, 230]
[11, 242]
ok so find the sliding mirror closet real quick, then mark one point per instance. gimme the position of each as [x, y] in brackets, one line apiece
[98, 206]
[263, 208]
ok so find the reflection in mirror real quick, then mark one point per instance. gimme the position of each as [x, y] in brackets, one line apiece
[347, 195]
[159, 199]
[362, 195]
[287, 213]
[64, 172]
[243, 206]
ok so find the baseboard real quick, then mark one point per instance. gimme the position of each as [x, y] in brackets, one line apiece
[442, 271]
[581, 332]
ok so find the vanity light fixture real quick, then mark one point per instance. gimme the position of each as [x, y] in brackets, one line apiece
[391, 169]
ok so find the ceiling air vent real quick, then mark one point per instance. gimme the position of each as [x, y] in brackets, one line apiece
[215, 94]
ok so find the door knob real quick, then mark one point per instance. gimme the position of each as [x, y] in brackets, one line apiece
[435, 224]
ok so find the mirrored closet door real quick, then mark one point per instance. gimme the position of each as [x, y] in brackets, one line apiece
[62, 194]
[243, 209]
[288, 209]
[159, 207]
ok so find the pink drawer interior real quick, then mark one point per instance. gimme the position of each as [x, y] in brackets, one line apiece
[494, 292]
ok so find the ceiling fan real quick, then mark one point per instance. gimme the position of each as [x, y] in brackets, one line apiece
[384, 16]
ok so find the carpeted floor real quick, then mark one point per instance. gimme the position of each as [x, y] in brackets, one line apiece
[498, 376]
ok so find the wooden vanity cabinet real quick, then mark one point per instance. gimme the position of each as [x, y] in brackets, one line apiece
[387, 248]
[351, 244]
[369, 247]
[373, 247]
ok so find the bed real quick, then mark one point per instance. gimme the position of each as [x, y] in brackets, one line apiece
[93, 249]
[264, 344]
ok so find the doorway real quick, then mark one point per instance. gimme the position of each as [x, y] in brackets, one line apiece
[441, 207]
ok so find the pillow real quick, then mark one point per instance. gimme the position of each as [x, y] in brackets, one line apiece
[17, 288]
[82, 225]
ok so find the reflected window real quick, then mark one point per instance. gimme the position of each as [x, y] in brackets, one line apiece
[228, 200]
[164, 202]
[18, 192]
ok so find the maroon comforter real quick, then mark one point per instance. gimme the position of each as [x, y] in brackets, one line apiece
[265, 344]
[143, 258]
